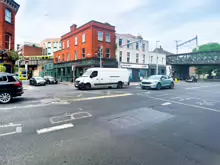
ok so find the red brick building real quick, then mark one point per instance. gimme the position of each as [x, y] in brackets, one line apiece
[8, 10]
[30, 50]
[82, 47]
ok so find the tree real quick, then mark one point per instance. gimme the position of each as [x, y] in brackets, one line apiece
[2, 68]
[13, 55]
[207, 48]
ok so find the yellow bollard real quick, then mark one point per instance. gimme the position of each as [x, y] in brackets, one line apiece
[176, 80]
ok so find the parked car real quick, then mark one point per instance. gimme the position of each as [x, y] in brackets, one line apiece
[157, 82]
[10, 87]
[50, 80]
[191, 79]
[103, 78]
[37, 81]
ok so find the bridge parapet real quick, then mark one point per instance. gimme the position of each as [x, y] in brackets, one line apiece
[197, 58]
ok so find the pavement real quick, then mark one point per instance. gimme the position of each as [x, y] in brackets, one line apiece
[60, 125]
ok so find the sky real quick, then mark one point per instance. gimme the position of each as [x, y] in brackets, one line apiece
[156, 20]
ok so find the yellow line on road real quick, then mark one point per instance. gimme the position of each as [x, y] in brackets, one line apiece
[98, 97]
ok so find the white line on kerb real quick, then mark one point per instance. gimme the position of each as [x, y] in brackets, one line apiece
[190, 105]
[55, 128]
[167, 103]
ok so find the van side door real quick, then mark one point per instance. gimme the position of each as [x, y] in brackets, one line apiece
[95, 79]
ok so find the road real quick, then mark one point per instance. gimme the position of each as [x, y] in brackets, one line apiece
[59, 125]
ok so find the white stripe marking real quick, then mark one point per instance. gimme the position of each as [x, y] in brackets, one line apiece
[167, 103]
[18, 130]
[55, 128]
[190, 105]
[10, 125]
[201, 87]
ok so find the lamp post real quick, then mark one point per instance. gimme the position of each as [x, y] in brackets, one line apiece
[100, 56]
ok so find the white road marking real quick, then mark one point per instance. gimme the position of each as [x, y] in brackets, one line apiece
[10, 125]
[79, 95]
[55, 128]
[162, 95]
[201, 87]
[167, 103]
[86, 114]
[81, 109]
[17, 130]
[190, 105]
[99, 97]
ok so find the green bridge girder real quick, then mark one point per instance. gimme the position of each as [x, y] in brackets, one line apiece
[198, 58]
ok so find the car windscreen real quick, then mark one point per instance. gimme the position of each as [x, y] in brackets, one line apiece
[39, 78]
[155, 77]
[87, 73]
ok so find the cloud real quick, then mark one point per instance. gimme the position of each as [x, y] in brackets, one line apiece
[156, 20]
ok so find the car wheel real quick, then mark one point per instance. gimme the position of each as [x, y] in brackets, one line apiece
[87, 86]
[120, 85]
[5, 97]
[158, 86]
[172, 85]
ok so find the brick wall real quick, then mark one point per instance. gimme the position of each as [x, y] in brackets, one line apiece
[32, 51]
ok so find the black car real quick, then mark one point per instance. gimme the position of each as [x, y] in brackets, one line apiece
[10, 87]
[50, 80]
[191, 79]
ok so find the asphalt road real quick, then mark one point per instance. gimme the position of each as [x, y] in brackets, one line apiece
[59, 125]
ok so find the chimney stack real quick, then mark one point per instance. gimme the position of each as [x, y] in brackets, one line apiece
[73, 27]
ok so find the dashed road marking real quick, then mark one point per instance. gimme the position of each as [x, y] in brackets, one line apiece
[198, 87]
[167, 103]
[79, 95]
[18, 129]
[55, 128]
[190, 105]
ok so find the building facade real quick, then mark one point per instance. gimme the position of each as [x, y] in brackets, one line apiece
[8, 10]
[133, 53]
[29, 50]
[82, 48]
[50, 46]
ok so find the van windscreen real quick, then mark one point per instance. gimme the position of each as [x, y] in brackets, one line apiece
[87, 73]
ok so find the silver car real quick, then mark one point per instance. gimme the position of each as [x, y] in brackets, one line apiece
[157, 82]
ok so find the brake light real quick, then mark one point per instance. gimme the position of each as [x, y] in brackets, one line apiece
[18, 84]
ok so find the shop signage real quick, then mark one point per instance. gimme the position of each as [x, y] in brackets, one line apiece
[139, 66]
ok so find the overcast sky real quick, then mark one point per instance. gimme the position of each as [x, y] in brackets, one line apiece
[156, 20]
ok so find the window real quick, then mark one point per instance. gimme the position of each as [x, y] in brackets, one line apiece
[83, 53]
[108, 38]
[143, 59]
[49, 44]
[3, 78]
[108, 53]
[94, 74]
[68, 43]
[48, 51]
[128, 57]
[54, 44]
[143, 47]
[60, 45]
[137, 58]
[8, 41]
[120, 56]
[63, 45]
[151, 59]
[137, 46]
[11, 79]
[76, 54]
[120, 42]
[128, 44]
[83, 38]
[76, 40]
[8, 16]
[100, 36]
[55, 49]
[68, 57]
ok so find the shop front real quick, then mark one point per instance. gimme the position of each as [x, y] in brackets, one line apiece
[137, 71]
[68, 71]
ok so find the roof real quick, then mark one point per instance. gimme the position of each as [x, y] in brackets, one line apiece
[127, 35]
[161, 50]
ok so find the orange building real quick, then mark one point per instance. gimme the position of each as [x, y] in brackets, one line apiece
[82, 47]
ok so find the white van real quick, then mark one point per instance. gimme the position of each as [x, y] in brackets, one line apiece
[103, 78]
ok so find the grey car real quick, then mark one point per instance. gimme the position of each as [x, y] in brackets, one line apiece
[157, 82]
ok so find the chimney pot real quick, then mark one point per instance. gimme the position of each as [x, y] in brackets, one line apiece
[73, 27]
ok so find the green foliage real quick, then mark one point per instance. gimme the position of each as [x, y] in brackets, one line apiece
[13, 55]
[208, 47]
[2, 68]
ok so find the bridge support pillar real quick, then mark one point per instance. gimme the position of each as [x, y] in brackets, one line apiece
[180, 72]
